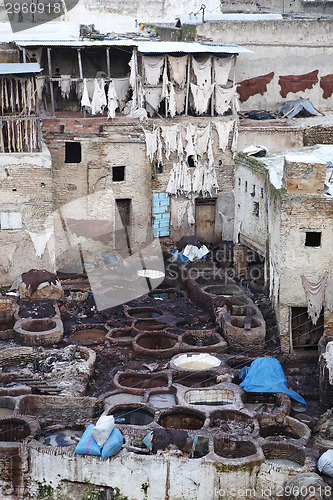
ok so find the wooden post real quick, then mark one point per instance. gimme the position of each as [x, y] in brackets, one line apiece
[50, 80]
[1, 138]
[165, 99]
[108, 68]
[80, 63]
[234, 112]
[188, 82]
[24, 55]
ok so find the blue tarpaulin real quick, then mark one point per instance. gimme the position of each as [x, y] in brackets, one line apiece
[266, 375]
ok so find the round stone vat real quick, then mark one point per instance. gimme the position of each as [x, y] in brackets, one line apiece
[18, 428]
[182, 418]
[225, 290]
[210, 397]
[163, 399]
[120, 336]
[146, 313]
[7, 406]
[132, 415]
[284, 454]
[288, 428]
[38, 332]
[87, 335]
[138, 383]
[201, 338]
[267, 403]
[211, 280]
[168, 294]
[206, 379]
[62, 436]
[233, 422]
[239, 322]
[148, 325]
[195, 362]
[230, 448]
[156, 344]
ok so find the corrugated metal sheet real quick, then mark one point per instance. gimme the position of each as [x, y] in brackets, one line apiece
[19, 68]
[146, 47]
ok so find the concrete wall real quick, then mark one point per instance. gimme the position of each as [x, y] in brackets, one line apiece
[301, 6]
[281, 48]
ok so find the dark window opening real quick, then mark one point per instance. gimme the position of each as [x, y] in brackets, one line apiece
[190, 161]
[256, 209]
[73, 152]
[253, 190]
[118, 174]
[245, 186]
[305, 334]
[312, 239]
[262, 192]
[159, 167]
[239, 181]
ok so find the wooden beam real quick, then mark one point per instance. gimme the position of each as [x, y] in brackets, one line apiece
[108, 67]
[188, 82]
[51, 83]
[80, 63]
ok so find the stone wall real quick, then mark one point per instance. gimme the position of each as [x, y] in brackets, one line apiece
[291, 58]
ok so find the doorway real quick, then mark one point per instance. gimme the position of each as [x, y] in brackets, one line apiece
[205, 219]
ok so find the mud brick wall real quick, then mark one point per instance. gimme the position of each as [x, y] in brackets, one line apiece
[300, 176]
[318, 135]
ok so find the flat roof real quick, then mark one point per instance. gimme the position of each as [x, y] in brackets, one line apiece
[145, 47]
[19, 68]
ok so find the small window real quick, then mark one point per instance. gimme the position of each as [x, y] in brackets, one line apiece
[253, 190]
[245, 186]
[159, 167]
[239, 181]
[190, 161]
[72, 152]
[262, 192]
[256, 209]
[312, 239]
[11, 220]
[118, 174]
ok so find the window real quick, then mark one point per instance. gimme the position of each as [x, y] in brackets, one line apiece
[72, 152]
[262, 192]
[239, 181]
[190, 161]
[11, 220]
[159, 167]
[118, 174]
[245, 186]
[312, 238]
[256, 209]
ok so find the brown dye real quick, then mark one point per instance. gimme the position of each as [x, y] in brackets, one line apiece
[13, 430]
[89, 334]
[233, 449]
[185, 421]
[326, 83]
[143, 326]
[279, 430]
[200, 339]
[156, 342]
[142, 382]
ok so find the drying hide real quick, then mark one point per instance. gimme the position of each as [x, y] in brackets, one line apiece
[40, 284]
[151, 143]
[153, 96]
[169, 134]
[65, 85]
[315, 293]
[223, 131]
[112, 101]
[203, 136]
[172, 101]
[222, 66]
[153, 66]
[99, 101]
[177, 66]
[190, 140]
[180, 95]
[202, 68]
[7, 255]
[121, 86]
[201, 97]
[329, 294]
[40, 241]
[224, 98]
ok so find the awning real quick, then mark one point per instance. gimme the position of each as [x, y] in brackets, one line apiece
[19, 68]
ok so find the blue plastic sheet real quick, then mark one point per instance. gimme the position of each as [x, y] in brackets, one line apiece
[180, 255]
[266, 375]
